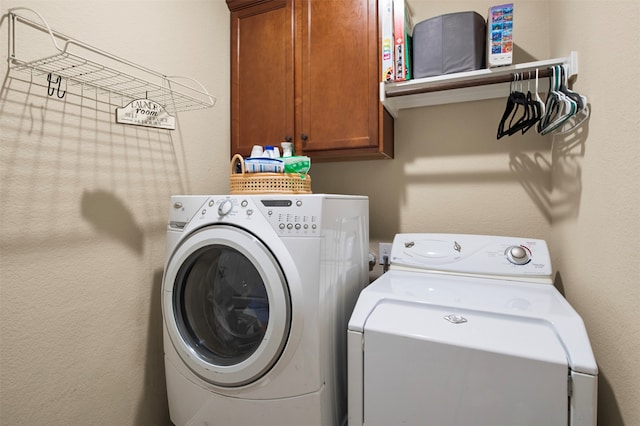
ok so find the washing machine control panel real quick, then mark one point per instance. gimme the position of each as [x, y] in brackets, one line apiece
[472, 254]
[291, 216]
[288, 216]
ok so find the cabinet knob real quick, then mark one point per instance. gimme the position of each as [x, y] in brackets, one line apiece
[304, 137]
[287, 138]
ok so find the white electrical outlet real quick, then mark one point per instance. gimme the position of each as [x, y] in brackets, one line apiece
[384, 250]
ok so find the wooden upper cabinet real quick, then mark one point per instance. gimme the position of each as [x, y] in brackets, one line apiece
[308, 70]
[262, 100]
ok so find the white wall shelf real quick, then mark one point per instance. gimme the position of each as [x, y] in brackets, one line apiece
[467, 86]
[91, 68]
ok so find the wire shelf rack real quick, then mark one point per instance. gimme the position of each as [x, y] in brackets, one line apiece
[119, 76]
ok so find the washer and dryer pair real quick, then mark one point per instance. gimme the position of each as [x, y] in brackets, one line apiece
[257, 293]
[263, 302]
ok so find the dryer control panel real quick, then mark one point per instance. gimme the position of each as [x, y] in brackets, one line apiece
[472, 254]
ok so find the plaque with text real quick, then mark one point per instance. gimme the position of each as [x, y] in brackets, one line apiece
[147, 113]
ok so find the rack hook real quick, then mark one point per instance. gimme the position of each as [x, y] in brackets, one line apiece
[52, 90]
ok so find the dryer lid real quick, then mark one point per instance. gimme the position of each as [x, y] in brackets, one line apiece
[515, 303]
[525, 338]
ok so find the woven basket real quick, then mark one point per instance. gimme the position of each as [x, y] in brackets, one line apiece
[266, 183]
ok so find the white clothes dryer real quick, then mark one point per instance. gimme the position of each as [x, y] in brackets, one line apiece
[257, 292]
[468, 330]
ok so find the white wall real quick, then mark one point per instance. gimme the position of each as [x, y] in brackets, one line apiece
[84, 210]
[595, 245]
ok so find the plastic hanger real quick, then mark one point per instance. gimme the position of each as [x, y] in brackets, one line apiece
[538, 100]
[583, 112]
[568, 106]
[557, 105]
[510, 110]
[520, 100]
[564, 89]
[525, 111]
[517, 103]
[532, 110]
[535, 106]
[551, 103]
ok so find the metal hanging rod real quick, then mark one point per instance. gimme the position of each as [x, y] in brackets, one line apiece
[471, 82]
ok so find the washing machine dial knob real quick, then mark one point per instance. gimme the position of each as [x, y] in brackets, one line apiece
[225, 207]
[518, 255]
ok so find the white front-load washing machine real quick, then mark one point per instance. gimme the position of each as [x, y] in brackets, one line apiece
[468, 330]
[257, 293]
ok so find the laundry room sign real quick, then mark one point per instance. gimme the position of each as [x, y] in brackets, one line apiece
[147, 113]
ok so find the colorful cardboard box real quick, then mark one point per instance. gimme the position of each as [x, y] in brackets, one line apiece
[385, 14]
[402, 30]
[500, 35]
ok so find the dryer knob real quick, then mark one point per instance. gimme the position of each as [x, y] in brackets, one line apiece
[518, 255]
[225, 207]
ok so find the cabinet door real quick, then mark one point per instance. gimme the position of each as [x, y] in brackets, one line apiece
[262, 67]
[337, 101]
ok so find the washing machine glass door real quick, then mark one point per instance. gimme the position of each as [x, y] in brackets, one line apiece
[226, 305]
